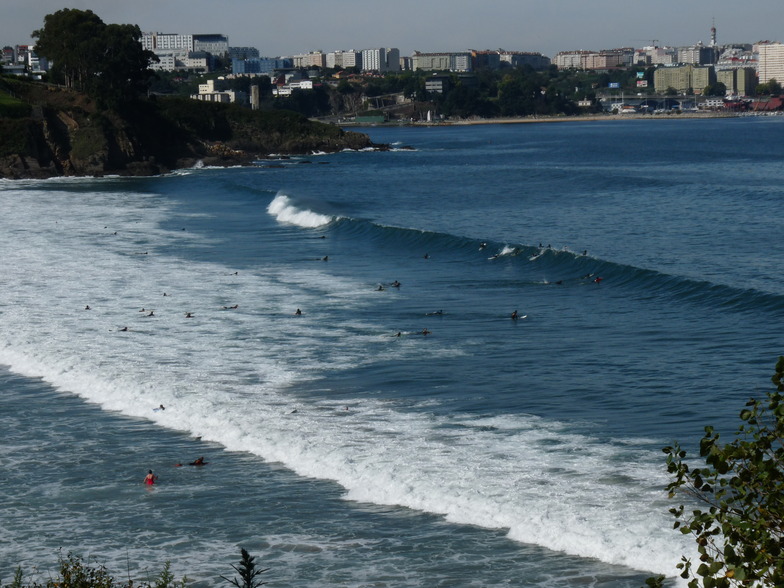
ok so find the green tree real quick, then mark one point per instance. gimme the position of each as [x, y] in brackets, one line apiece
[69, 40]
[774, 87]
[717, 89]
[739, 489]
[247, 571]
[107, 61]
[122, 65]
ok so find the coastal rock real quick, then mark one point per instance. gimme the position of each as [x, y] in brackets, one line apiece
[63, 133]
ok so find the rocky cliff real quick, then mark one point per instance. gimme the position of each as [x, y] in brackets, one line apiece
[47, 131]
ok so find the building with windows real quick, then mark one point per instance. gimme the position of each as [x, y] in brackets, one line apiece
[697, 54]
[167, 43]
[187, 52]
[344, 59]
[458, 62]
[243, 53]
[739, 81]
[522, 58]
[213, 91]
[381, 60]
[260, 65]
[684, 79]
[607, 59]
[213, 44]
[655, 56]
[770, 62]
[438, 84]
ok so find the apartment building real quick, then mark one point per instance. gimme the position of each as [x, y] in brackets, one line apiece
[739, 81]
[684, 79]
[770, 62]
[381, 60]
[457, 62]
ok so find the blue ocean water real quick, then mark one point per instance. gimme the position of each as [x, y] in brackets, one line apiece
[488, 452]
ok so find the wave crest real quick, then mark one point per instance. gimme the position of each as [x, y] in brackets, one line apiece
[285, 211]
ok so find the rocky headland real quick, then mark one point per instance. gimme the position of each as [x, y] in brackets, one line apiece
[48, 131]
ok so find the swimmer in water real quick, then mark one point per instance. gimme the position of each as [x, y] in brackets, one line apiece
[199, 461]
[150, 478]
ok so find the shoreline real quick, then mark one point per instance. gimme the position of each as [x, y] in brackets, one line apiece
[547, 119]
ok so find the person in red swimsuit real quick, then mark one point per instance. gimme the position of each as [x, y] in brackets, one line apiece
[150, 478]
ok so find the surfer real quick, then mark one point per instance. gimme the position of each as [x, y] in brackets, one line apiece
[188, 315]
[427, 256]
[425, 332]
[515, 316]
[436, 313]
[124, 329]
[199, 461]
[598, 280]
[396, 284]
[152, 313]
[150, 478]
[87, 307]
[298, 312]
[325, 258]
[380, 288]
[482, 245]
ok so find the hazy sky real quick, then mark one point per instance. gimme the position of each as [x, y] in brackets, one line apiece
[547, 26]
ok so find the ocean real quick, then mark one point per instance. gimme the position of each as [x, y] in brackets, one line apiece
[402, 430]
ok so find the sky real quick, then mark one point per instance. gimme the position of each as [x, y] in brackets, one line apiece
[287, 27]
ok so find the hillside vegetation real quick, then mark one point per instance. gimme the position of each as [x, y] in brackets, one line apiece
[48, 131]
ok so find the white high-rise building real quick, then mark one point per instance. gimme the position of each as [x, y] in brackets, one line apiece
[770, 62]
[381, 59]
[165, 42]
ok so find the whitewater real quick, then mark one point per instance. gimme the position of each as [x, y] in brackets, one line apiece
[181, 291]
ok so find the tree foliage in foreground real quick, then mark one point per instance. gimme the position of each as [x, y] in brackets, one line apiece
[739, 525]
[75, 573]
[247, 571]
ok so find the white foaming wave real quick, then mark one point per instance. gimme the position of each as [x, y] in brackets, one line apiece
[285, 211]
[228, 375]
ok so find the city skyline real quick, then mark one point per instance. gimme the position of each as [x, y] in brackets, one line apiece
[298, 26]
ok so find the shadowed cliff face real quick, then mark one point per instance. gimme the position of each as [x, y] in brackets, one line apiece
[47, 131]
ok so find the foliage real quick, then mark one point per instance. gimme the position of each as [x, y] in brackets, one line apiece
[313, 102]
[772, 88]
[247, 571]
[739, 527]
[74, 573]
[10, 107]
[16, 137]
[717, 89]
[106, 61]
[68, 39]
